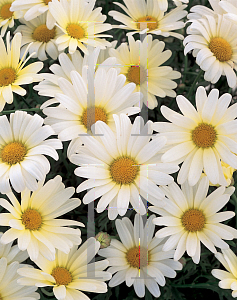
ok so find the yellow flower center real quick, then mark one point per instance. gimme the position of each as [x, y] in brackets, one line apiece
[62, 276]
[151, 23]
[138, 257]
[7, 76]
[43, 34]
[5, 12]
[75, 31]
[93, 114]
[47, 1]
[13, 153]
[124, 170]
[204, 135]
[32, 219]
[221, 49]
[193, 220]
[136, 74]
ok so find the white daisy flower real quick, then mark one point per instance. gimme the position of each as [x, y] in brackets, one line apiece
[145, 70]
[214, 45]
[70, 62]
[191, 217]
[42, 38]
[139, 259]
[147, 16]
[121, 165]
[228, 279]
[70, 274]
[82, 26]
[76, 114]
[7, 17]
[33, 221]
[32, 9]
[23, 145]
[12, 71]
[12, 253]
[9, 289]
[201, 138]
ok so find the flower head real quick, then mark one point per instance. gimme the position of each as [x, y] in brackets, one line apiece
[149, 16]
[192, 217]
[214, 44]
[201, 138]
[12, 71]
[83, 26]
[70, 274]
[7, 17]
[23, 145]
[34, 223]
[41, 38]
[121, 165]
[141, 64]
[138, 259]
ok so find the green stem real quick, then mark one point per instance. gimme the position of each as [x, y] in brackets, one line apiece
[6, 112]
[194, 83]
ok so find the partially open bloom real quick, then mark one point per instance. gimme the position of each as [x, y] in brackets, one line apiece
[228, 279]
[7, 17]
[147, 16]
[33, 221]
[9, 289]
[141, 63]
[70, 274]
[82, 26]
[23, 145]
[201, 138]
[12, 71]
[214, 44]
[122, 165]
[32, 9]
[192, 218]
[139, 260]
[41, 38]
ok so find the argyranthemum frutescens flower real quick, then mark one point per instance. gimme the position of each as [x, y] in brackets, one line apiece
[7, 17]
[34, 223]
[71, 273]
[12, 253]
[228, 279]
[143, 15]
[83, 26]
[141, 64]
[201, 138]
[12, 72]
[139, 259]
[32, 9]
[23, 145]
[121, 165]
[42, 38]
[198, 11]
[192, 217]
[76, 113]
[214, 45]
[9, 289]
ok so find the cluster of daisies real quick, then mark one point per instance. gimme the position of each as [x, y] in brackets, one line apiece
[92, 89]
